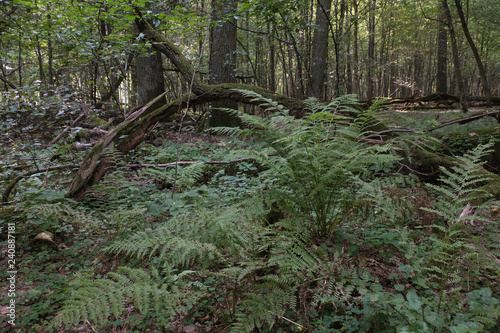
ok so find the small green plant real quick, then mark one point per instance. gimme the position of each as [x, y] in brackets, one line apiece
[437, 301]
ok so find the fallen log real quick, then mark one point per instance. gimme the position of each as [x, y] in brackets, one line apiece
[436, 100]
[137, 126]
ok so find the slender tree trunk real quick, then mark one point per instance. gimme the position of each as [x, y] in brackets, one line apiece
[473, 47]
[340, 61]
[39, 57]
[355, 55]
[456, 57]
[442, 58]
[371, 48]
[223, 58]
[50, 51]
[316, 83]
[272, 62]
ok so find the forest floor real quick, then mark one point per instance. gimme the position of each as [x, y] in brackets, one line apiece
[134, 199]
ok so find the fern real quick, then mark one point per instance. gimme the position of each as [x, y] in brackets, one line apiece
[97, 300]
[444, 278]
[191, 174]
[318, 162]
[225, 233]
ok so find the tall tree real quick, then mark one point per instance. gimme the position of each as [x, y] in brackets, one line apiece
[456, 57]
[442, 57]
[477, 57]
[223, 58]
[317, 78]
[371, 48]
[149, 77]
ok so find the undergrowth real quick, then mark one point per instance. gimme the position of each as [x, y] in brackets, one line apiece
[285, 225]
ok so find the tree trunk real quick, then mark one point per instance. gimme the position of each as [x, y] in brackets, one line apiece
[317, 78]
[371, 49]
[150, 81]
[50, 51]
[355, 55]
[20, 59]
[456, 57]
[442, 58]
[473, 47]
[223, 58]
[272, 62]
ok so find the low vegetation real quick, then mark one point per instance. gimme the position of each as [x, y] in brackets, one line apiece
[282, 225]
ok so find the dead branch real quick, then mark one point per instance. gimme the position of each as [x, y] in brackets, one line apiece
[162, 165]
[6, 192]
[461, 121]
[466, 120]
[86, 112]
[10, 84]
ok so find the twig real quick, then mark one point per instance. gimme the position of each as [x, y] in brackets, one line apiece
[6, 192]
[161, 165]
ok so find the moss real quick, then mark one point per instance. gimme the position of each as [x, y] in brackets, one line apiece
[82, 133]
[98, 122]
[429, 161]
[459, 143]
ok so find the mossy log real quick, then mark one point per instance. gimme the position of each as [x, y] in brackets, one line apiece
[137, 126]
[427, 166]
[437, 100]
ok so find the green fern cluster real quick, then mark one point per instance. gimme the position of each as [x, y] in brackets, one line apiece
[318, 170]
[97, 300]
[437, 302]
[233, 245]
[318, 162]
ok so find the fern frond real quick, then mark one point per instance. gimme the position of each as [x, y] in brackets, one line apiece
[97, 300]
[191, 174]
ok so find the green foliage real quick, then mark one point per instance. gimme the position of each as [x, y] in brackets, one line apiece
[437, 304]
[96, 300]
[318, 161]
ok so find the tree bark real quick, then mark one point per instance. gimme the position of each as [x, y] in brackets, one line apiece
[371, 49]
[317, 78]
[355, 56]
[473, 48]
[456, 57]
[150, 80]
[442, 58]
[223, 58]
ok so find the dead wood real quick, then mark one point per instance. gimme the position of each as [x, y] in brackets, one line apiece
[7, 82]
[6, 192]
[86, 112]
[460, 121]
[437, 100]
[137, 126]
